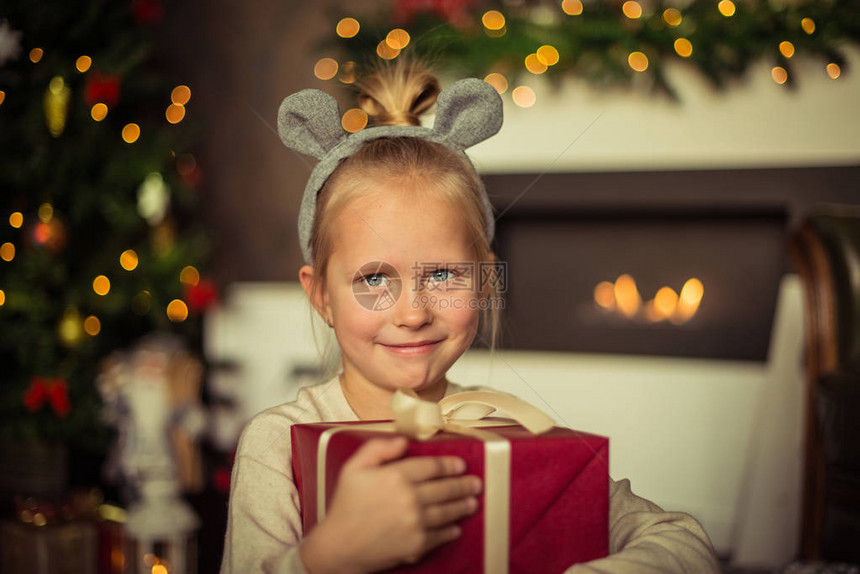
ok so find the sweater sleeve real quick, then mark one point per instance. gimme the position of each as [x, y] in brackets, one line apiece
[645, 539]
[263, 521]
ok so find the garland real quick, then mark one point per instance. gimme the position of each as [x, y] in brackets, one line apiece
[608, 43]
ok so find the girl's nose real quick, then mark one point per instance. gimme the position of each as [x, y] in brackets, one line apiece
[412, 310]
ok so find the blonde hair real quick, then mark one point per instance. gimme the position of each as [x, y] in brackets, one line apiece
[397, 95]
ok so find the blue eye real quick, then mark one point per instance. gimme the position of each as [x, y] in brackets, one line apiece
[441, 275]
[375, 280]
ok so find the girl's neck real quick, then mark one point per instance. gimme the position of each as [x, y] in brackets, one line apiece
[371, 402]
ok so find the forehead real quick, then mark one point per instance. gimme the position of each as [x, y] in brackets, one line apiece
[399, 223]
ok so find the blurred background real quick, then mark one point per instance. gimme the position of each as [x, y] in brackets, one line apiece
[676, 185]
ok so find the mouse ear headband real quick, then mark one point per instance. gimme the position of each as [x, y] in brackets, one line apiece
[467, 112]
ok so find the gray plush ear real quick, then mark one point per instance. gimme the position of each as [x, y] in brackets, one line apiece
[467, 112]
[309, 122]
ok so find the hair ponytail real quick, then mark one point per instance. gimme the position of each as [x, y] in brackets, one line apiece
[397, 95]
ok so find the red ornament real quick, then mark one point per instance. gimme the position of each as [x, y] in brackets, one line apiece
[147, 11]
[104, 89]
[54, 391]
[201, 296]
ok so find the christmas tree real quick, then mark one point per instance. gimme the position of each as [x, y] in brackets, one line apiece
[98, 242]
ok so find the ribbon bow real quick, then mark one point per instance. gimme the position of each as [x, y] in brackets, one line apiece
[422, 419]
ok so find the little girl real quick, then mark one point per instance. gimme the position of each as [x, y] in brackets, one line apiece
[392, 214]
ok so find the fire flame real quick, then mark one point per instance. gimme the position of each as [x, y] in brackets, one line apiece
[623, 298]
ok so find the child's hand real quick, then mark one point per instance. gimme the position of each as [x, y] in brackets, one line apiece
[386, 513]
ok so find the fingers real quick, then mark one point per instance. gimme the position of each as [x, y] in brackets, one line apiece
[447, 489]
[439, 536]
[436, 515]
[423, 468]
[377, 452]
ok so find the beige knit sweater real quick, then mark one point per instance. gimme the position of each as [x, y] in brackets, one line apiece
[264, 525]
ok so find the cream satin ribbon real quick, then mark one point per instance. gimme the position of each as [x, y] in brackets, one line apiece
[459, 413]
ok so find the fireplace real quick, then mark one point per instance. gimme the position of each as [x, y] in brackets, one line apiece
[681, 264]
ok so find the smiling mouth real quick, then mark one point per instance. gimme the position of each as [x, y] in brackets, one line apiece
[417, 348]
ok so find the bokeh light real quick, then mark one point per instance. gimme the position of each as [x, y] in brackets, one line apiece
[175, 113]
[7, 251]
[548, 55]
[683, 47]
[638, 61]
[189, 276]
[833, 70]
[397, 39]
[347, 27]
[672, 17]
[83, 63]
[726, 8]
[493, 20]
[177, 311]
[779, 75]
[354, 120]
[92, 325]
[386, 52]
[36, 55]
[534, 65]
[632, 9]
[130, 133]
[180, 95]
[101, 285]
[524, 96]
[786, 49]
[99, 111]
[808, 25]
[16, 220]
[325, 68]
[129, 260]
[498, 81]
[572, 7]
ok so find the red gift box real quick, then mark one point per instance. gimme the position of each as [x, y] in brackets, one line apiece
[558, 512]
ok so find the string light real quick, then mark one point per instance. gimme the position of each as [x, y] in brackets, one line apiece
[180, 95]
[7, 251]
[808, 25]
[129, 260]
[99, 111]
[189, 276]
[779, 75]
[130, 133]
[101, 285]
[83, 63]
[672, 17]
[683, 47]
[498, 81]
[524, 96]
[325, 68]
[547, 55]
[36, 55]
[572, 7]
[786, 49]
[534, 65]
[833, 70]
[726, 8]
[16, 220]
[632, 9]
[347, 27]
[397, 39]
[354, 120]
[175, 113]
[638, 61]
[92, 325]
[177, 311]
